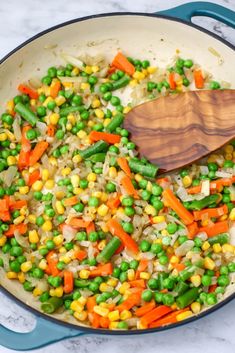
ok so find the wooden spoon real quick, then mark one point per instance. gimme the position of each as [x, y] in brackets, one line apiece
[179, 129]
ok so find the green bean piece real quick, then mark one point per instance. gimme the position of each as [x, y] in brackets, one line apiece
[26, 113]
[106, 254]
[187, 273]
[147, 169]
[187, 298]
[68, 110]
[200, 204]
[98, 157]
[181, 287]
[99, 146]
[221, 239]
[161, 278]
[52, 305]
[122, 82]
[115, 122]
[80, 283]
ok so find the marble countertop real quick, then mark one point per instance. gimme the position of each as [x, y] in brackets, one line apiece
[21, 19]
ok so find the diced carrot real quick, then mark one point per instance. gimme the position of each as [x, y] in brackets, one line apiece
[34, 176]
[105, 136]
[54, 89]
[111, 70]
[17, 205]
[91, 302]
[192, 230]
[138, 283]
[122, 63]
[95, 320]
[29, 91]
[70, 201]
[198, 79]
[78, 223]
[116, 229]
[120, 249]
[37, 152]
[212, 288]
[179, 267]
[211, 212]
[4, 205]
[172, 80]
[173, 202]
[113, 202]
[21, 228]
[102, 270]
[133, 300]
[50, 130]
[143, 264]
[145, 308]
[5, 216]
[123, 164]
[90, 227]
[155, 314]
[129, 187]
[167, 319]
[104, 322]
[68, 281]
[194, 190]
[52, 262]
[216, 228]
[24, 155]
[80, 255]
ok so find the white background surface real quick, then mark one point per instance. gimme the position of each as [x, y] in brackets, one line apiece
[21, 19]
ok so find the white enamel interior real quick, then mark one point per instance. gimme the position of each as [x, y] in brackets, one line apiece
[143, 37]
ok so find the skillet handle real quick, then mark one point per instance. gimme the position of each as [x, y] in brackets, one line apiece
[44, 333]
[187, 11]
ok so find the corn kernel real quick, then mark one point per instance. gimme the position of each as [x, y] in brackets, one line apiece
[66, 259]
[96, 103]
[54, 118]
[91, 177]
[77, 191]
[184, 315]
[95, 68]
[227, 248]
[60, 100]
[205, 245]
[102, 244]
[46, 101]
[23, 190]
[11, 160]
[159, 219]
[130, 274]
[138, 177]
[49, 184]
[102, 210]
[59, 292]
[113, 325]
[84, 274]
[59, 207]
[187, 181]
[85, 85]
[76, 306]
[138, 75]
[12, 275]
[33, 236]
[81, 134]
[82, 316]
[217, 248]
[75, 71]
[196, 307]
[37, 185]
[99, 113]
[42, 264]
[125, 314]
[101, 311]
[150, 210]
[113, 315]
[19, 220]
[3, 240]
[36, 292]
[196, 280]
[106, 122]
[164, 232]
[174, 259]
[47, 226]
[26, 266]
[112, 282]
[145, 275]
[3, 137]
[10, 106]
[21, 277]
[88, 70]
[103, 287]
[123, 288]
[126, 110]
[232, 215]
[32, 218]
[228, 149]
[209, 263]
[133, 83]
[75, 180]
[58, 240]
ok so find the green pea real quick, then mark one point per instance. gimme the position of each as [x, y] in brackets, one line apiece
[127, 201]
[81, 236]
[146, 195]
[156, 190]
[158, 297]
[214, 85]
[61, 265]
[41, 111]
[110, 187]
[31, 134]
[28, 287]
[182, 239]
[64, 149]
[224, 270]
[15, 266]
[188, 63]
[93, 237]
[129, 211]
[124, 266]
[83, 183]
[46, 80]
[206, 280]
[43, 251]
[153, 283]
[168, 299]
[231, 267]
[68, 246]
[16, 251]
[223, 280]
[147, 295]
[38, 273]
[79, 207]
[40, 221]
[123, 277]
[38, 195]
[52, 72]
[172, 228]
[51, 105]
[115, 101]
[50, 212]
[134, 264]
[211, 299]
[93, 201]
[156, 248]
[145, 245]
[128, 227]
[50, 244]
[158, 205]
[59, 134]
[116, 272]
[93, 287]
[21, 259]
[163, 260]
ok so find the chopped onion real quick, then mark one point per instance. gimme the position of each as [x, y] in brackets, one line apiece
[223, 174]
[204, 169]
[147, 255]
[202, 235]
[184, 248]
[23, 241]
[205, 187]
[72, 60]
[160, 226]
[232, 235]
[68, 233]
[42, 127]
[8, 175]
[75, 79]
[16, 128]
[183, 195]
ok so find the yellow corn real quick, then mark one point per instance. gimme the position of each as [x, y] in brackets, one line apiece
[88, 70]
[96, 103]
[112, 282]
[95, 68]
[3, 137]
[66, 171]
[32, 218]
[150, 210]
[184, 315]
[102, 210]
[101, 311]
[42, 264]
[82, 316]
[37, 186]
[91, 177]
[81, 134]
[124, 287]
[145, 275]
[11, 160]
[46, 101]
[174, 259]
[19, 220]
[47, 226]
[217, 248]
[104, 287]
[228, 149]
[58, 240]
[26, 266]
[77, 191]
[196, 280]
[3, 240]
[164, 232]
[113, 325]
[84, 274]
[232, 215]
[227, 248]
[12, 275]
[58, 292]
[21, 277]
[159, 219]
[54, 118]
[125, 314]
[53, 161]
[112, 172]
[59, 207]
[196, 307]
[139, 75]
[85, 85]
[187, 181]
[126, 109]
[99, 113]
[23, 190]
[113, 315]
[75, 71]
[10, 106]
[130, 274]
[36, 292]
[102, 244]
[33, 236]
[209, 263]
[76, 306]
[49, 184]
[75, 180]
[205, 245]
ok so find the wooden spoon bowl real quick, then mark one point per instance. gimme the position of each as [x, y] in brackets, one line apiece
[179, 129]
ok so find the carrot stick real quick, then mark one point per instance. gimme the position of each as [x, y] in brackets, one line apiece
[167, 319]
[116, 229]
[51, 130]
[21, 228]
[194, 190]
[155, 314]
[109, 138]
[80, 255]
[142, 267]
[37, 152]
[95, 320]
[91, 302]
[113, 202]
[216, 228]
[70, 201]
[78, 223]
[90, 227]
[123, 164]
[24, 155]
[172, 80]
[52, 262]
[192, 230]
[34, 176]
[17, 205]
[5, 216]
[132, 300]
[102, 270]
[111, 70]
[27, 90]
[211, 212]
[122, 63]
[145, 309]
[198, 79]
[174, 203]
[4, 205]
[129, 187]
[138, 283]
[68, 281]
[54, 89]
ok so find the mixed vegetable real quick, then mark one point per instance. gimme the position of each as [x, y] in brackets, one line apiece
[87, 226]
